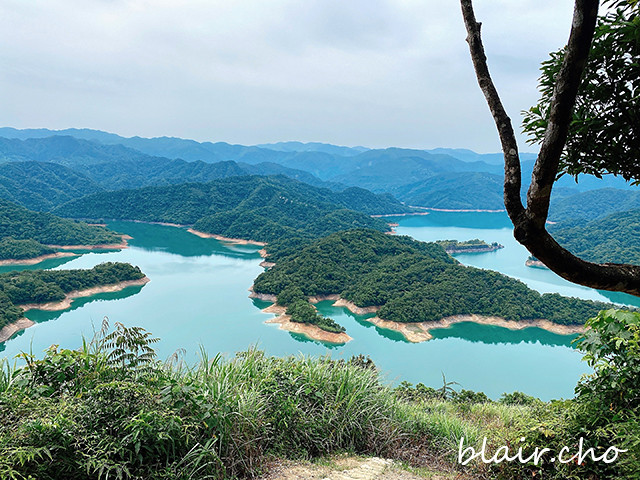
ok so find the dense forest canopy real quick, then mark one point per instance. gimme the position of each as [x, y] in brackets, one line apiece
[614, 238]
[26, 234]
[43, 286]
[411, 281]
[255, 208]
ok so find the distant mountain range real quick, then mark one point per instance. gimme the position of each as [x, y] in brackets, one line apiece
[96, 161]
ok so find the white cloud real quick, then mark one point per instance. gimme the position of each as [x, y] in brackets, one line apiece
[374, 72]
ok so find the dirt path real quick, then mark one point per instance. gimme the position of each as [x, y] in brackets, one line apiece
[350, 468]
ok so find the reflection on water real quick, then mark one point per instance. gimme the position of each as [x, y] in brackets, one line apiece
[44, 265]
[492, 334]
[40, 316]
[198, 297]
[179, 242]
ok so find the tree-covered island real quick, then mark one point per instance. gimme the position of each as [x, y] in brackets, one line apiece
[469, 246]
[38, 287]
[404, 281]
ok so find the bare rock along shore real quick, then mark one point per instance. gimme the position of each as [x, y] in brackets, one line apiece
[236, 241]
[311, 331]
[22, 323]
[34, 260]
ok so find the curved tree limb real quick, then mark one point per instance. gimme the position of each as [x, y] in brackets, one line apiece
[529, 223]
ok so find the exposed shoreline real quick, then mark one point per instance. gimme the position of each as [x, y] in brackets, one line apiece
[69, 297]
[478, 249]
[416, 332]
[10, 330]
[23, 323]
[34, 260]
[235, 241]
[406, 214]
[103, 246]
[479, 210]
[310, 331]
[535, 264]
[420, 331]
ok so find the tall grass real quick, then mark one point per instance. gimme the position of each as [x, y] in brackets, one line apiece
[83, 414]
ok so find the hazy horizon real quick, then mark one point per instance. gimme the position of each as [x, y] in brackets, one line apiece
[380, 73]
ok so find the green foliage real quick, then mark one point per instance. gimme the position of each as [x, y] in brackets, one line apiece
[518, 398]
[41, 186]
[594, 204]
[455, 190]
[130, 349]
[612, 347]
[43, 286]
[21, 249]
[256, 208]
[76, 415]
[302, 311]
[613, 238]
[474, 245]
[603, 135]
[411, 281]
[18, 223]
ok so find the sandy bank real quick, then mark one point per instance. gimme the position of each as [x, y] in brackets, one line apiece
[535, 264]
[236, 241]
[408, 214]
[34, 260]
[310, 331]
[103, 246]
[458, 210]
[419, 332]
[265, 297]
[478, 249]
[352, 307]
[66, 302]
[166, 224]
[10, 330]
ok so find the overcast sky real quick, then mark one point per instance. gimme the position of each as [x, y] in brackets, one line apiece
[377, 73]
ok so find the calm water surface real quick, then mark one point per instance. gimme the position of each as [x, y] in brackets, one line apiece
[198, 296]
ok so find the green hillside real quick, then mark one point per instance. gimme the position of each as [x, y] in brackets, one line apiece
[412, 281]
[256, 208]
[460, 190]
[41, 186]
[23, 233]
[594, 204]
[614, 238]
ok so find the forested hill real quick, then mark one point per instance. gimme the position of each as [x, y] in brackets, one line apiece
[43, 286]
[41, 185]
[115, 167]
[594, 204]
[614, 238]
[250, 207]
[24, 233]
[412, 281]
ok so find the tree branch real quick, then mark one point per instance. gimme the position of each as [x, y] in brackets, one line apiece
[563, 100]
[512, 174]
[529, 224]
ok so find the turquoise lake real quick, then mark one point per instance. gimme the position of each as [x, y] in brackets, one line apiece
[198, 296]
